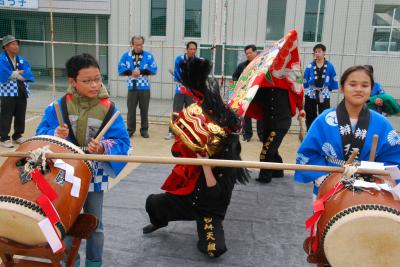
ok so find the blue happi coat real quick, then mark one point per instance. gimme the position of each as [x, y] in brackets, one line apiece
[330, 80]
[377, 89]
[119, 145]
[8, 86]
[324, 140]
[177, 71]
[126, 63]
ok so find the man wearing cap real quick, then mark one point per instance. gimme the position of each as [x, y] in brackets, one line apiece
[15, 75]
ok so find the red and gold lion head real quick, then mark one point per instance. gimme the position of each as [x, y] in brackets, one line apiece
[197, 130]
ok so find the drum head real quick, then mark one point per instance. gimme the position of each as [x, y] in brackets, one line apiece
[20, 223]
[364, 237]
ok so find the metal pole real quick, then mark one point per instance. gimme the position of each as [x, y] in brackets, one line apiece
[224, 17]
[214, 48]
[52, 50]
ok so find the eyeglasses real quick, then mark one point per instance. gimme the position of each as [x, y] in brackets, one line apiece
[89, 82]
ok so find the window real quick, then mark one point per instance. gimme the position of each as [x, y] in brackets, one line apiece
[233, 55]
[24, 27]
[193, 18]
[313, 20]
[386, 28]
[158, 17]
[206, 51]
[103, 50]
[231, 59]
[5, 27]
[20, 29]
[276, 19]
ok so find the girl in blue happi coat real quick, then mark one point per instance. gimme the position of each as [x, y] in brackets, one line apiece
[336, 132]
[85, 108]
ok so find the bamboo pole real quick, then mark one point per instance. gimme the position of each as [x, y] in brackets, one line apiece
[192, 161]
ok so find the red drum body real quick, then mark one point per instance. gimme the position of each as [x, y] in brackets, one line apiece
[19, 212]
[360, 228]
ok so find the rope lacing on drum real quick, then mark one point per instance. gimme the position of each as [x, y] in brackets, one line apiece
[37, 157]
[64, 145]
[348, 177]
[349, 171]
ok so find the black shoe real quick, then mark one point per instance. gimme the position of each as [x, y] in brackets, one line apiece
[277, 174]
[145, 135]
[263, 180]
[264, 177]
[130, 134]
[246, 139]
[150, 228]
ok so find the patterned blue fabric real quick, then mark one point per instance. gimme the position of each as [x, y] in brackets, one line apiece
[99, 181]
[330, 80]
[8, 86]
[323, 140]
[377, 90]
[177, 71]
[147, 63]
[102, 170]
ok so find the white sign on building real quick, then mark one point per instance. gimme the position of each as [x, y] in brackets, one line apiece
[30, 4]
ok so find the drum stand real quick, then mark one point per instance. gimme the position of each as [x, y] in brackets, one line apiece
[81, 229]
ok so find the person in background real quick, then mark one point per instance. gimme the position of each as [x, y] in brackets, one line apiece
[251, 53]
[138, 65]
[15, 76]
[380, 101]
[319, 80]
[181, 98]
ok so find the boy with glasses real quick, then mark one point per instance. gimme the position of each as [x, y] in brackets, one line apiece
[86, 108]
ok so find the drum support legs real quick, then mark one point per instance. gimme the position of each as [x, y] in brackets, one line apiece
[82, 228]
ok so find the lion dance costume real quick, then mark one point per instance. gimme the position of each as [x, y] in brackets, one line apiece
[209, 128]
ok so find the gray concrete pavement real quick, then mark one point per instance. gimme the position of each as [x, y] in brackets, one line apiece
[264, 225]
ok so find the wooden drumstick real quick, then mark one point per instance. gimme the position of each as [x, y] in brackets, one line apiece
[58, 112]
[302, 124]
[107, 126]
[352, 156]
[372, 153]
